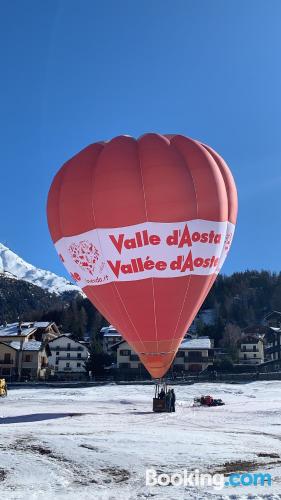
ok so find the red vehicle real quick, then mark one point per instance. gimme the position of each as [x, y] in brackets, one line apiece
[208, 401]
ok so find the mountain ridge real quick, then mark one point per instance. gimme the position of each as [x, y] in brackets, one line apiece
[13, 266]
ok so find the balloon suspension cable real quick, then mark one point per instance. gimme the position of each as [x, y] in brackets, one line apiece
[160, 386]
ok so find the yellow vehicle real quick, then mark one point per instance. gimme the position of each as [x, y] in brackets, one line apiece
[3, 388]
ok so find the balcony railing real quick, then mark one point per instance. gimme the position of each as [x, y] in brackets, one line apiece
[202, 359]
[271, 349]
[250, 357]
[65, 349]
[6, 362]
[71, 358]
[249, 349]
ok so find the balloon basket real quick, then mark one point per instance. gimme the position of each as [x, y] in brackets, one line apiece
[160, 402]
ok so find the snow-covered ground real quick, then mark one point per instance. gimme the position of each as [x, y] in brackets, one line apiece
[96, 442]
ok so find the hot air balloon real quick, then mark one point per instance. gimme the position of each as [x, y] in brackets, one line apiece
[144, 226]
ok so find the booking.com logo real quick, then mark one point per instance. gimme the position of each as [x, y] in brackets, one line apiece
[202, 480]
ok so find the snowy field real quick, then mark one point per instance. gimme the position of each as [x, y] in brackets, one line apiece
[96, 443]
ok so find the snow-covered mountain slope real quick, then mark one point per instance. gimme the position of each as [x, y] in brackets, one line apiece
[14, 266]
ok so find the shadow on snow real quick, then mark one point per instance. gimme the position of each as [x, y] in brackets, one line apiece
[36, 417]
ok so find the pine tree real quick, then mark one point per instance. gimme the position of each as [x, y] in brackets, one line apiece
[98, 360]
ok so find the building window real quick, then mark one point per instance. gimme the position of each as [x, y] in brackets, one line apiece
[27, 358]
[68, 355]
[68, 346]
[7, 357]
[179, 367]
[243, 348]
[180, 354]
[255, 355]
[57, 361]
[125, 352]
[78, 365]
[79, 355]
[67, 365]
[254, 348]
[245, 356]
[57, 353]
[193, 355]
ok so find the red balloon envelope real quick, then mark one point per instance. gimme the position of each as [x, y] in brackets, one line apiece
[144, 226]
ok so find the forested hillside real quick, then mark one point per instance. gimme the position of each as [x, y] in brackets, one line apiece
[245, 298]
[241, 299]
[20, 299]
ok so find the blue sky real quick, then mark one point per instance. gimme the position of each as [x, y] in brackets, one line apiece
[75, 72]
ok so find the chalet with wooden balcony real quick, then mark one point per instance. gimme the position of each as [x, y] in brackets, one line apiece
[23, 360]
[23, 331]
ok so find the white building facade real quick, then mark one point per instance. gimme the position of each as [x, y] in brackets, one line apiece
[194, 355]
[110, 336]
[251, 350]
[68, 357]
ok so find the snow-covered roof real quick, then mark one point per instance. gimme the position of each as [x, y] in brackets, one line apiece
[42, 324]
[27, 327]
[112, 334]
[200, 343]
[32, 345]
[187, 343]
[11, 330]
[67, 336]
[109, 330]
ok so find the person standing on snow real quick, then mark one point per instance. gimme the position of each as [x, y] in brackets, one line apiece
[168, 400]
[173, 401]
[162, 394]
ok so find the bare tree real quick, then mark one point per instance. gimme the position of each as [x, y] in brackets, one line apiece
[230, 339]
